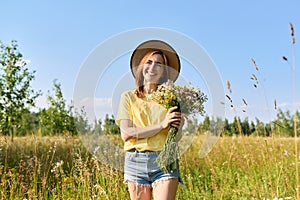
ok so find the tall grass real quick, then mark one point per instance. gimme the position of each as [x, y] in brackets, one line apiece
[293, 68]
[237, 168]
[295, 108]
[256, 83]
[61, 168]
[54, 168]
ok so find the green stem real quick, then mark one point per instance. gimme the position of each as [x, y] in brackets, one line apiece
[168, 157]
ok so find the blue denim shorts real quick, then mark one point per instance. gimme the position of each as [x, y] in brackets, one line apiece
[141, 168]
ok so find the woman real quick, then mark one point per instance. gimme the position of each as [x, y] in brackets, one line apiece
[144, 124]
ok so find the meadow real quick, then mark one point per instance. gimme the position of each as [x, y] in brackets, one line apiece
[62, 168]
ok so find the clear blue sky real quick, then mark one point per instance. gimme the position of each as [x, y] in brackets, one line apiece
[57, 36]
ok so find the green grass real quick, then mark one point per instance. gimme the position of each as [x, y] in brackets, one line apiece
[61, 168]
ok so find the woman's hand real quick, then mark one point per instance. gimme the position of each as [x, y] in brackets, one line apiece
[129, 130]
[179, 133]
[176, 119]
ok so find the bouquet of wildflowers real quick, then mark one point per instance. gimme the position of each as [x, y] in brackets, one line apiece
[188, 101]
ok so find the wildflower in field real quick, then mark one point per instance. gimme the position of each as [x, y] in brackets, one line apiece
[189, 101]
[57, 165]
[286, 153]
[100, 189]
[276, 198]
[67, 180]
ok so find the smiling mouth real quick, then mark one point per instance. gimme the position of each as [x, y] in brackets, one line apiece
[152, 74]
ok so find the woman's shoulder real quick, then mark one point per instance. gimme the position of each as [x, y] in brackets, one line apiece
[128, 93]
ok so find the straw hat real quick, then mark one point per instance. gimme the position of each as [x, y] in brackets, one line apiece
[156, 45]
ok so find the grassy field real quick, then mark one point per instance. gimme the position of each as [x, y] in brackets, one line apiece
[62, 168]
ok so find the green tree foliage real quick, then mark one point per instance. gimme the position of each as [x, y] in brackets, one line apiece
[246, 127]
[81, 121]
[227, 128]
[235, 126]
[97, 129]
[282, 126]
[284, 123]
[59, 117]
[16, 93]
[203, 127]
[191, 126]
[29, 124]
[110, 126]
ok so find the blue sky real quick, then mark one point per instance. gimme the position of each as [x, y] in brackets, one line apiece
[58, 36]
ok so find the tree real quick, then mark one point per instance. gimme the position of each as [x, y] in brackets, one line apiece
[284, 123]
[297, 122]
[59, 117]
[81, 121]
[191, 126]
[204, 126]
[16, 93]
[259, 128]
[246, 127]
[236, 128]
[110, 126]
[29, 123]
[97, 129]
[227, 128]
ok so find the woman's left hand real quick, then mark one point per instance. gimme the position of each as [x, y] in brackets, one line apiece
[180, 120]
[179, 133]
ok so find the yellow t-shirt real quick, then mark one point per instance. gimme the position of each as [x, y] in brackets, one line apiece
[142, 113]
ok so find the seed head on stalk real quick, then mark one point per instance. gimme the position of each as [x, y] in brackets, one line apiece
[245, 102]
[228, 86]
[294, 108]
[254, 63]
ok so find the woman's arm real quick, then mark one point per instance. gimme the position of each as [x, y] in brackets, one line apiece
[129, 130]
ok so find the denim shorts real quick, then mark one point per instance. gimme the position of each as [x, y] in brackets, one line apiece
[141, 168]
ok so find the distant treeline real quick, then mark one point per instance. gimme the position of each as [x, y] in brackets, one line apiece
[283, 126]
[17, 99]
[57, 121]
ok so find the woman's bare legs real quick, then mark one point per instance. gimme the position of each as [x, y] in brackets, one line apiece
[165, 189]
[139, 192]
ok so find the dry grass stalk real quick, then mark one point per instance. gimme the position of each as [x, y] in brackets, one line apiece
[284, 58]
[292, 33]
[254, 63]
[231, 105]
[295, 117]
[245, 102]
[293, 40]
[228, 97]
[292, 29]
[228, 86]
[253, 77]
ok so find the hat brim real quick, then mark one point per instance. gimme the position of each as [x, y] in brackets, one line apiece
[156, 45]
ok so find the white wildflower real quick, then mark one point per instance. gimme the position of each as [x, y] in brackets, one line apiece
[57, 165]
[286, 153]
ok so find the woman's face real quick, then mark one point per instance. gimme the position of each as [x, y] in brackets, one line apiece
[153, 68]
